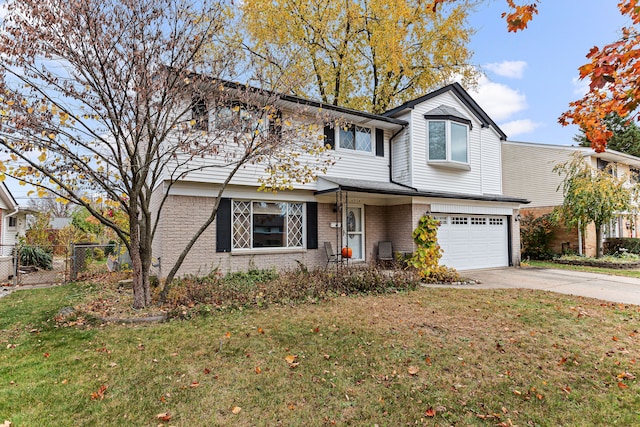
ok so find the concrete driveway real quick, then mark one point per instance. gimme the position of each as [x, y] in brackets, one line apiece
[601, 286]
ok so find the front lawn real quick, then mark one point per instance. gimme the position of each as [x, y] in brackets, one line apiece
[612, 271]
[424, 357]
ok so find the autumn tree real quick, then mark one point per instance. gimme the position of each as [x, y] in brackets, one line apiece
[109, 98]
[591, 195]
[369, 55]
[625, 135]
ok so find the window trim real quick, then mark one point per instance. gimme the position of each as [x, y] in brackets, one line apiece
[286, 237]
[372, 139]
[448, 161]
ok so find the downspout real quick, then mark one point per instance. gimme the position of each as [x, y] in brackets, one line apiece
[391, 160]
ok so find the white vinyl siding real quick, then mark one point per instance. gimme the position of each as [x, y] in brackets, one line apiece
[484, 150]
[528, 173]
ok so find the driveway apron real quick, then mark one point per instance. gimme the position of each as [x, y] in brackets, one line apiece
[618, 289]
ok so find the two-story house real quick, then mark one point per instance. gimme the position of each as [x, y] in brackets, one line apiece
[528, 172]
[439, 154]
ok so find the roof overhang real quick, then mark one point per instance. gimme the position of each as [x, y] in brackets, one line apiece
[331, 185]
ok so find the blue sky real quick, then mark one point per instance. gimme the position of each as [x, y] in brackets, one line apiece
[530, 77]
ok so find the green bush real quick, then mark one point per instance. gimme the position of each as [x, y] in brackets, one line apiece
[536, 234]
[619, 245]
[36, 256]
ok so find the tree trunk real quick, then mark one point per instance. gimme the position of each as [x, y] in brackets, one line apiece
[598, 240]
[141, 285]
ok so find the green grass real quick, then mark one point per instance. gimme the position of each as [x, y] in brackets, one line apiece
[611, 271]
[476, 357]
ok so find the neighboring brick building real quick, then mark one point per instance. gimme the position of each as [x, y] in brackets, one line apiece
[528, 172]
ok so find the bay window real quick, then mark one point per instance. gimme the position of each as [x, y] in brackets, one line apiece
[448, 142]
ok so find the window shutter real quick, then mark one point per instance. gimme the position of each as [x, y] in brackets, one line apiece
[275, 124]
[330, 136]
[380, 142]
[223, 226]
[312, 225]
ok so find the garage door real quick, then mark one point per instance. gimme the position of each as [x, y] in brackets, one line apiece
[473, 241]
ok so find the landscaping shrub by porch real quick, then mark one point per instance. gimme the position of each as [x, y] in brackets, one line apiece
[613, 245]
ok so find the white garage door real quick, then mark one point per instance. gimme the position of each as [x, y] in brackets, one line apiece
[473, 241]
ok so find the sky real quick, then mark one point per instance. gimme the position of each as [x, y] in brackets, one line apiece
[531, 76]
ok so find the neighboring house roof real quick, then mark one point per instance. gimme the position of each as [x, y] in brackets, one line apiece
[609, 155]
[378, 187]
[462, 94]
[6, 198]
[60, 222]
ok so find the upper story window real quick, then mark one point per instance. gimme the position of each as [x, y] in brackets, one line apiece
[239, 118]
[448, 141]
[355, 138]
[200, 114]
[13, 222]
[234, 117]
[610, 168]
[448, 137]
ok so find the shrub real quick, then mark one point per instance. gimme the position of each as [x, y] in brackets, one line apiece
[98, 254]
[261, 288]
[536, 234]
[618, 245]
[36, 256]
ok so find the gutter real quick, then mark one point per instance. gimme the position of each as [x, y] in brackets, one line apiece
[391, 160]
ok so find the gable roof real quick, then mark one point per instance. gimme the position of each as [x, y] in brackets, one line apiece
[461, 94]
[292, 100]
[6, 198]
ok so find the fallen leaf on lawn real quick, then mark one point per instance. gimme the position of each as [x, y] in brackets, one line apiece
[291, 360]
[291, 406]
[46, 355]
[327, 356]
[195, 384]
[228, 335]
[207, 371]
[64, 381]
[165, 416]
[236, 410]
[614, 338]
[113, 364]
[622, 385]
[413, 370]
[626, 376]
[6, 423]
[517, 392]
[427, 360]
[260, 331]
[562, 361]
[430, 412]
[258, 370]
[99, 395]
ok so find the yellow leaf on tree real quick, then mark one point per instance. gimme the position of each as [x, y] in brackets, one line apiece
[42, 157]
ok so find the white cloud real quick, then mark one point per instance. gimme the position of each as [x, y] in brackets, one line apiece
[511, 69]
[498, 100]
[580, 86]
[519, 127]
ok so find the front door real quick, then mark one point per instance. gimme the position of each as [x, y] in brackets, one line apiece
[355, 231]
